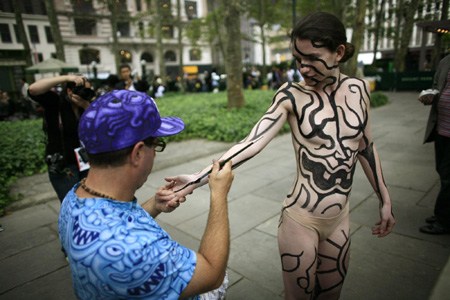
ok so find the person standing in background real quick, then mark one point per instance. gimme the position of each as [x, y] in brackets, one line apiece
[438, 130]
[61, 116]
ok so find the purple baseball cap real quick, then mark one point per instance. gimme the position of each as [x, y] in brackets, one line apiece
[122, 118]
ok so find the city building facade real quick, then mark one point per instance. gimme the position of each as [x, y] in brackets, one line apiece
[86, 30]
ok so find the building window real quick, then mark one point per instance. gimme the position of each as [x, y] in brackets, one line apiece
[147, 57]
[48, 34]
[53, 55]
[16, 33]
[125, 56]
[34, 34]
[151, 30]
[141, 32]
[123, 28]
[138, 5]
[6, 35]
[88, 55]
[85, 26]
[170, 56]
[39, 57]
[43, 8]
[83, 6]
[28, 6]
[195, 54]
[191, 9]
[121, 7]
[167, 31]
[6, 6]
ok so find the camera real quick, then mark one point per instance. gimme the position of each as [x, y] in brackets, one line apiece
[84, 92]
[55, 163]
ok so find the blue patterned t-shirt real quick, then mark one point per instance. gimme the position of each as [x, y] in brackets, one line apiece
[116, 250]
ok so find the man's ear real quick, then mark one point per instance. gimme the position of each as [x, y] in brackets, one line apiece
[136, 154]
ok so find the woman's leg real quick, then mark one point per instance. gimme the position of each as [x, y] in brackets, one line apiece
[298, 248]
[333, 260]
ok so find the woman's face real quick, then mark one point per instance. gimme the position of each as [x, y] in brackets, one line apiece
[316, 62]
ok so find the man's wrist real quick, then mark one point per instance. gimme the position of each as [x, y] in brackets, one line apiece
[150, 207]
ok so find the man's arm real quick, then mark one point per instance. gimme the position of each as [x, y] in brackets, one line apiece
[212, 256]
[44, 85]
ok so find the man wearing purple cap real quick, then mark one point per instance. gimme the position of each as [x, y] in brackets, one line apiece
[115, 247]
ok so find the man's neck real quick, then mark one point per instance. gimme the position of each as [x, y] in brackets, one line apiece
[110, 182]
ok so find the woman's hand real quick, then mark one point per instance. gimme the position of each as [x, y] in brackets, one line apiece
[387, 222]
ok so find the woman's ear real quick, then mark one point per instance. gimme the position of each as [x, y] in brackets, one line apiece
[340, 52]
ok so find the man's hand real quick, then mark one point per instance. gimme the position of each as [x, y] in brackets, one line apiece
[156, 205]
[80, 102]
[77, 79]
[220, 179]
[180, 181]
[166, 200]
[427, 99]
[387, 222]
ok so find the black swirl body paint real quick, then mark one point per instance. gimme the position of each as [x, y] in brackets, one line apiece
[326, 139]
[369, 156]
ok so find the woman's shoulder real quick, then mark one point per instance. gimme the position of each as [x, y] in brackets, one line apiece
[361, 82]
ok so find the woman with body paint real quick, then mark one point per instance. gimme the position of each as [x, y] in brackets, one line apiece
[328, 113]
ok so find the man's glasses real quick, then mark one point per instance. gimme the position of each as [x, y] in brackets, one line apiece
[159, 145]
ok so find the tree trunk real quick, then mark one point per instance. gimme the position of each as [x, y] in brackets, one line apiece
[357, 37]
[379, 18]
[263, 41]
[339, 9]
[262, 13]
[399, 56]
[398, 22]
[233, 63]
[180, 45]
[115, 45]
[22, 34]
[54, 27]
[213, 10]
[159, 43]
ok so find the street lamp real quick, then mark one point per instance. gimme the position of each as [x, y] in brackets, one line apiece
[94, 68]
[143, 65]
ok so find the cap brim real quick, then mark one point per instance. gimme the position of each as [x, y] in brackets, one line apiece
[169, 126]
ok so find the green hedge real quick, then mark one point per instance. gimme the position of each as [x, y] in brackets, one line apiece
[378, 99]
[205, 115]
[22, 154]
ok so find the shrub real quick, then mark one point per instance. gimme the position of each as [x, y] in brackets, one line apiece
[22, 154]
[378, 99]
[206, 115]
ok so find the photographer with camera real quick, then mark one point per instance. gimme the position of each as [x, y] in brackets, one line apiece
[61, 118]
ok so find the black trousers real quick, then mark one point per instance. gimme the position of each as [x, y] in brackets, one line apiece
[442, 207]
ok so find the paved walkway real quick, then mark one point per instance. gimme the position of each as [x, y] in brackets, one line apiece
[405, 265]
